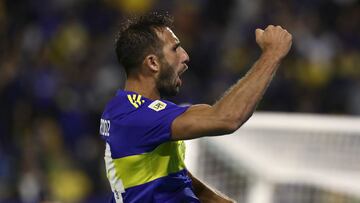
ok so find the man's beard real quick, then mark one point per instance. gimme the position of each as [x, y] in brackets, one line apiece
[166, 83]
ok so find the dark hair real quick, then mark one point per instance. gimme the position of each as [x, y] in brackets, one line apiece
[137, 38]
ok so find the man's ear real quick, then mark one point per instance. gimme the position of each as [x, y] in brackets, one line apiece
[152, 61]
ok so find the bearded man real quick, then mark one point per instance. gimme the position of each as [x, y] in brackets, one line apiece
[144, 133]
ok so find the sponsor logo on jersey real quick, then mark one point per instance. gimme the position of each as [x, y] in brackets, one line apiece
[104, 127]
[135, 100]
[157, 105]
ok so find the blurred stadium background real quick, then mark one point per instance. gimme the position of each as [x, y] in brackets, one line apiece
[58, 69]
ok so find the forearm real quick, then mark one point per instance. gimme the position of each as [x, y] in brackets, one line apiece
[207, 194]
[239, 102]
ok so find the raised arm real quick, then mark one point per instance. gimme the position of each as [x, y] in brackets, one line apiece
[239, 102]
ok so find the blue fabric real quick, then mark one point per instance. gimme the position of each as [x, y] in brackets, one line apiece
[173, 188]
[136, 129]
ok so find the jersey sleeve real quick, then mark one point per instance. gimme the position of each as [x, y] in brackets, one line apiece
[143, 130]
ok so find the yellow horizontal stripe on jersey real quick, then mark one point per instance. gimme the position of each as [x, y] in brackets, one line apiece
[139, 169]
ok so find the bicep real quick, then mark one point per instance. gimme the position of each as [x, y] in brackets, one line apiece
[199, 121]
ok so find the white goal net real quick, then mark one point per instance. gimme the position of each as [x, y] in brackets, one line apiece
[283, 158]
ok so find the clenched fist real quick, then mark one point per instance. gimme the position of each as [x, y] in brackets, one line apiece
[274, 40]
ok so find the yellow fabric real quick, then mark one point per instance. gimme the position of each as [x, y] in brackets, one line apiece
[139, 169]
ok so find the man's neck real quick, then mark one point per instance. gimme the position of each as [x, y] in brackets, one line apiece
[146, 88]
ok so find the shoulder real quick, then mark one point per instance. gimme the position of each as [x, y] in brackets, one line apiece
[123, 104]
[136, 123]
[130, 104]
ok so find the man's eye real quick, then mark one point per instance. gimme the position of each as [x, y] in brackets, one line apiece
[176, 46]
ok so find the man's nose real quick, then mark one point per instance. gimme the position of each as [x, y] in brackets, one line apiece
[186, 57]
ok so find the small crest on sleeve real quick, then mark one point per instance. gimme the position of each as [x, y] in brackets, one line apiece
[157, 105]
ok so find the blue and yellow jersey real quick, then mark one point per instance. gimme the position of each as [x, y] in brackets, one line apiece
[143, 164]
